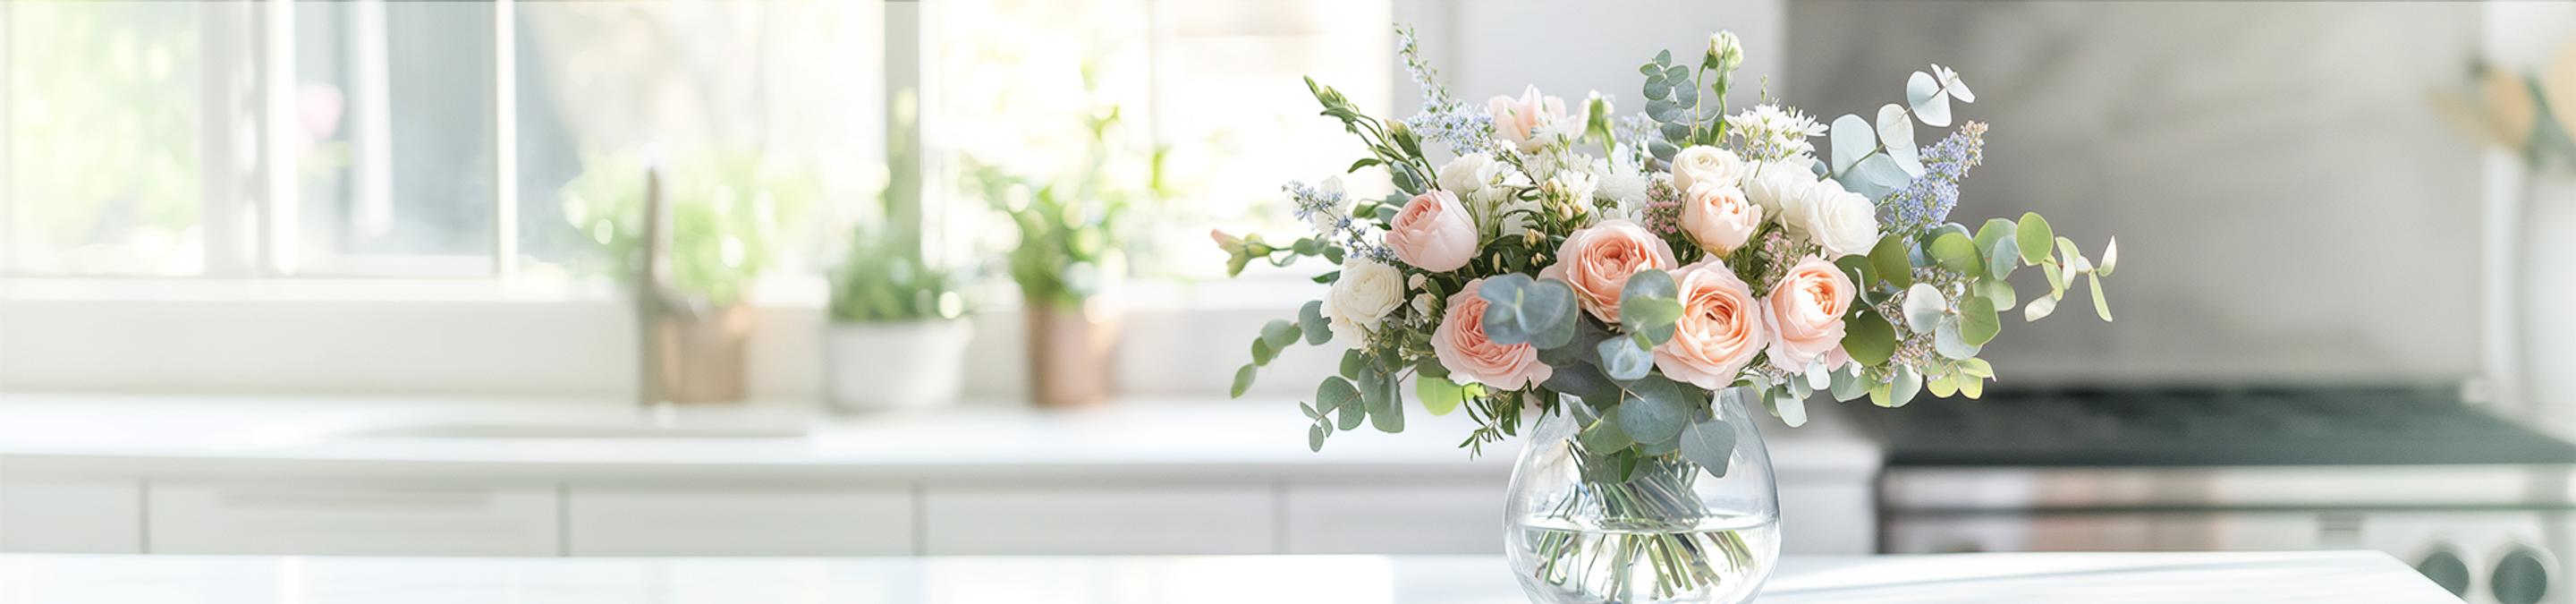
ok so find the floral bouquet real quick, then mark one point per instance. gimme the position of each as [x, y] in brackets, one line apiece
[1702, 257]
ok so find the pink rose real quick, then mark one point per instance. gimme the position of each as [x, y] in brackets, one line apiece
[1598, 260]
[1461, 345]
[1718, 217]
[1433, 233]
[1807, 309]
[1526, 122]
[1720, 329]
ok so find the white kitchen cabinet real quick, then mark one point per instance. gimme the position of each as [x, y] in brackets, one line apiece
[72, 516]
[1394, 518]
[1828, 518]
[1205, 518]
[341, 518]
[624, 521]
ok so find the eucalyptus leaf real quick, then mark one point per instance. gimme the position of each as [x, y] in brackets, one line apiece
[1990, 236]
[1977, 322]
[1315, 438]
[1976, 367]
[1310, 319]
[1662, 150]
[2039, 308]
[2056, 280]
[1677, 73]
[1603, 435]
[1676, 131]
[1852, 139]
[1583, 381]
[1971, 387]
[1353, 361]
[1711, 444]
[1868, 338]
[1439, 395]
[1956, 252]
[1848, 385]
[1999, 260]
[1875, 177]
[1941, 387]
[2110, 257]
[1923, 93]
[1624, 360]
[1280, 334]
[1947, 340]
[1664, 110]
[1653, 411]
[1549, 313]
[1890, 263]
[2034, 236]
[2067, 253]
[1664, 57]
[1657, 89]
[1790, 408]
[1896, 137]
[1924, 306]
[1262, 353]
[1906, 384]
[1243, 380]
[1353, 415]
[2101, 305]
[1385, 404]
[1686, 96]
[1336, 393]
[1998, 291]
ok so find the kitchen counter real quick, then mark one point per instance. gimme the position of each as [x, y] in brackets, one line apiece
[2340, 577]
[393, 476]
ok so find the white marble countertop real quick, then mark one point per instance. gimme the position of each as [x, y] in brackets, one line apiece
[145, 435]
[2339, 577]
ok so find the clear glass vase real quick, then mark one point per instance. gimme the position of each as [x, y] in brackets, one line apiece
[1672, 531]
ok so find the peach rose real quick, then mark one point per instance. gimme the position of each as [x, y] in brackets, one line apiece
[1598, 260]
[1806, 310]
[1718, 217]
[1461, 345]
[1433, 233]
[1530, 121]
[1720, 329]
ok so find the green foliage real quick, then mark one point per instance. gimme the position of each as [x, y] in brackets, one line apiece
[1439, 395]
[1868, 338]
[1073, 228]
[726, 211]
[1711, 444]
[1525, 310]
[885, 280]
[104, 142]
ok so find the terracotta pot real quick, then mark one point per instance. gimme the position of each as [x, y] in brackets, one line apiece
[1071, 353]
[701, 357]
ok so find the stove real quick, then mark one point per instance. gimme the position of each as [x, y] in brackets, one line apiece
[2479, 503]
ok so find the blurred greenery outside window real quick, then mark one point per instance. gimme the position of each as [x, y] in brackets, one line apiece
[139, 134]
[111, 109]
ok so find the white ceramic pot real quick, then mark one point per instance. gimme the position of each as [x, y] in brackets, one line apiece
[908, 365]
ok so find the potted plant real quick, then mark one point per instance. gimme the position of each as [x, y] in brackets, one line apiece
[1069, 253]
[899, 329]
[723, 216]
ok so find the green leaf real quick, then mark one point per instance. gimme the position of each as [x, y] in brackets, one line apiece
[1990, 234]
[1309, 409]
[2110, 258]
[1243, 380]
[1624, 360]
[1647, 305]
[1902, 389]
[1653, 411]
[1852, 140]
[2101, 305]
[2066, 252]
[1280, 334]
[1710, 444]
[2056, 279]
[1430, 366]
[1310, 319]
[1924, 306]
[1896, 137]
[1999, 261]
[1998, 291]
[1676, 73]
[1664, 57]
[1336, 393]
[1385, 404]
[1352, 416]
[1889, 263]
[1686, 95]
[1550, 313]
[1262, 353]
[1976, 367]
[2034, 236]
[1657, 89]
[1971, 387]
[1977, 322]
[1947, 340]
[1315, 438]
[1923, 93]
[1848, 385]
[1353, 361]
[1664, 110]
[1956, 252]
[1941, 387]
[1869, 338]
[1604, 435]
[1789, 406]
[2039, 308]
[1875, 177]
[1439, 395]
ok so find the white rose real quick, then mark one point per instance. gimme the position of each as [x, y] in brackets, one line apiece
[1800, 201]
[1626, 187]
[1466, 175]
[1842, 222]
[1361, 299]
[1702, 163]
[1773, 183]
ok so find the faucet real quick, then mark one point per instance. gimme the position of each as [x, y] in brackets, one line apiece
[654, 296]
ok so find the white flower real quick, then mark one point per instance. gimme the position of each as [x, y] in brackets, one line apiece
[1572, 186]
[1422, 308]
[1702, 163]
[1466, 175]
[1773, 133]
[1775, 184]
[1842, 222]
[1625, 187]
[1361, 299]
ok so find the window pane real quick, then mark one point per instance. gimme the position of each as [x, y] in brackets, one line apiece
[760, 111]
[394, 137]
[103, 138]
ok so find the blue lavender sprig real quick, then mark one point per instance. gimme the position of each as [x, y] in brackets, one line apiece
[1927, 201]
[1442, 119]
[1343, 230]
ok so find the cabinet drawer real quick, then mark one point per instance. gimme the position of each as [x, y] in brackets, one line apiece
[1174, 519]
[372, 519]
[1330, 518]
[608, 521]
[71, 516]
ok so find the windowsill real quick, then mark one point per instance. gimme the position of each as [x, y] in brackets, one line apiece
[1252, 292]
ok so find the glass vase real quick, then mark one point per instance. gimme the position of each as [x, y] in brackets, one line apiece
[1669, 531]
